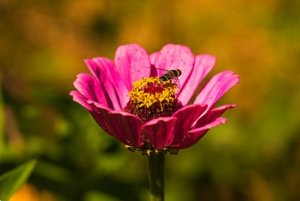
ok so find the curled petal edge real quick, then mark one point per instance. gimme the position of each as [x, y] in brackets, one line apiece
[186, 117]
[194, 135]
[79, 98]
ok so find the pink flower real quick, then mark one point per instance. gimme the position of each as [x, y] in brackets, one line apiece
[130, 102]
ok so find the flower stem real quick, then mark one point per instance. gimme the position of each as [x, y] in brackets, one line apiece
[156, 175]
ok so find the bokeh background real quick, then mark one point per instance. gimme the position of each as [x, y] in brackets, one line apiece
[255, 157]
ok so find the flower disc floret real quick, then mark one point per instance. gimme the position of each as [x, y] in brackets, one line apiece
[151, 98]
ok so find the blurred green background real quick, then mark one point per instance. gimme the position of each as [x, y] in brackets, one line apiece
[255, 157]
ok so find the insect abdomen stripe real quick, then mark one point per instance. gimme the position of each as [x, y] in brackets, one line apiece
[170, 74]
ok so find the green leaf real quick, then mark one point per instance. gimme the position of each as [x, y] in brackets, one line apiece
[11, 181]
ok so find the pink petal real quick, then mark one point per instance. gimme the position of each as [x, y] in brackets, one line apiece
[186, 117]
[90, 88]
[174, 57]
[154, 70]
[114, 87]
[212, 115]
[203, 65]
[216, 88]
[218, 112]
[79, 98]
[195, 135]
[159, 131]
[153, 57]
[124, 126]
[133, 63]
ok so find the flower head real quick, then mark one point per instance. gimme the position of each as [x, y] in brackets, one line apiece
[138, 100]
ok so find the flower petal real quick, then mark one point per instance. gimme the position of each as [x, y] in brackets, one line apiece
[124, 126]
[127, 126]
[195, 135]
[212, 115]
[203, 65]
[153, 57]
[133, 63]
[173, 56]
[218, 111]
[216, 88]
[159, 131]
[154, 70]
[90, 88]
[114, 87]
[79, 98]
[186, 117]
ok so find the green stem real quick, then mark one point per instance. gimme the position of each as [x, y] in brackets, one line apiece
[156, 175]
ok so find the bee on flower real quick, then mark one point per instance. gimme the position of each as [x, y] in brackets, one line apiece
[170, 74]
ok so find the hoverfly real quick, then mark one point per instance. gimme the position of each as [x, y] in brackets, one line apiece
[170, 74]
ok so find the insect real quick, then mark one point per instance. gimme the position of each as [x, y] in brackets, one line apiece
[170, 74]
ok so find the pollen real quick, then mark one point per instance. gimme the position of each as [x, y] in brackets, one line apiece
[151, 98]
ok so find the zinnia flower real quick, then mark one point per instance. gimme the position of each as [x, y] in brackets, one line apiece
[133, 101]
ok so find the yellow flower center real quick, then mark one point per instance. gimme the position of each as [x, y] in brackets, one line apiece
[151, 98]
